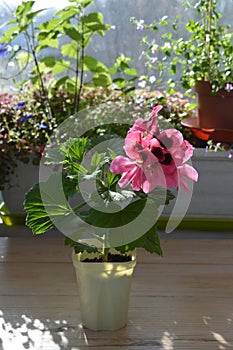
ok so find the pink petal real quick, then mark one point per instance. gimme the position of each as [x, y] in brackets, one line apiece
[138, 180]
[128, 176]
[149, 125]
[121, 164]
[189, 172]
[133, 144]
[186, 171]
[153, 172]
[180, 149]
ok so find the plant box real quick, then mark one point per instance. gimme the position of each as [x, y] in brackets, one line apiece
[212, 195]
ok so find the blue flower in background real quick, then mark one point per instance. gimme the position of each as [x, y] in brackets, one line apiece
[3, 50]
[42, 125]
[20, 104]
[23, 119]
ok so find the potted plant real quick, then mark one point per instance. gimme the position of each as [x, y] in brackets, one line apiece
[119, 200]
[200, 56]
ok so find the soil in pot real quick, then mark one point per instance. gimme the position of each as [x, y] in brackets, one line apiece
[111, 258]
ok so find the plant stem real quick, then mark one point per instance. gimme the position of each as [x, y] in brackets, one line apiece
[82, 69]
[76, 81]
[105, 254]
[43, 89]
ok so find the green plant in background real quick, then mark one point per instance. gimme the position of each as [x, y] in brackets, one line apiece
[123, 82]
[68, 33]
[55, 87]
[203, 52]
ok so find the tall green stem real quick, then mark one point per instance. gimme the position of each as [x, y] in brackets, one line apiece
[82, 68]
[44, 94]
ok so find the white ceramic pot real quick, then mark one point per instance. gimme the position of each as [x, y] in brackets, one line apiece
[104, 291]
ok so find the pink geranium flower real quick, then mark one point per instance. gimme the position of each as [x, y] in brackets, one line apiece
[154, 158]
[149, 125]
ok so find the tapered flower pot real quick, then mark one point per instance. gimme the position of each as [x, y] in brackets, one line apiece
[215, 111]
[104, 291]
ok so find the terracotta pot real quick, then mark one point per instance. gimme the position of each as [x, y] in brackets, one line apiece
[215, 111]
[104, 291]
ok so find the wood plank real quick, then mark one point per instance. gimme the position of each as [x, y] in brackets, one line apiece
[149, 279]
[34, 249]
[186, 318]
[201, 251]
[182, 301]
[49, 249]
[49, 331]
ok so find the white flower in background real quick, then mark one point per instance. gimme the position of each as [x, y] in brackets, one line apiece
[142, 84]
[154, 48]
[11, 64]
[142, 81]
[167, 46]
[154, 59]
[140, 100]
[16, 47]
[228, 87]
[140, 25]
[152, 79]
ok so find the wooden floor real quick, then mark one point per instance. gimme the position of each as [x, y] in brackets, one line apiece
[182, 301]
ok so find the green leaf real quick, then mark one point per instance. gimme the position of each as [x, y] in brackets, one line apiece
[46, 205]
[170, 196]
[49, 61]
[84, 3]
[120, 83]
[161, 195]
[112, 179]
[149, 241]
[163, 21]
[10, 34]
[113, 196]
[60, 66]
[102, 79]
[61, 82]
[97, 161]
[48, 27]
[104, 219]
[112, 153]
[73, 34]
[75, 148]
[131, 88]
[130, 71]
[101, 76]
[94, 23]
[90, 63]
[32, 15]
[70, 50]
[48, 41]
